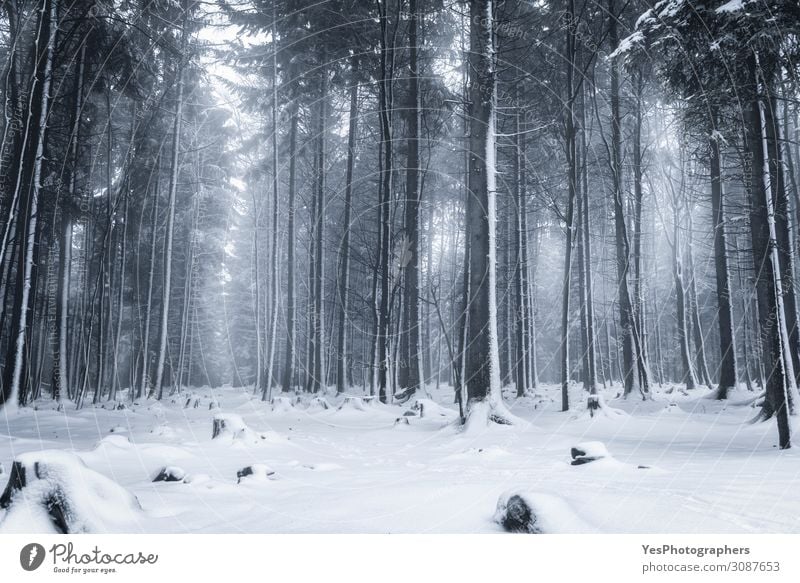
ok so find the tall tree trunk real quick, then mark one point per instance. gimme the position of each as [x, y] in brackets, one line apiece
[410, 373]
[385, 105]
[780, 202]
[144, 382]
[482, 375]
[344, 265]
[727, 342]
[275, 288]
[688, 375]
[638, 308]
[777, 362]
[585, 228]
[173, 191]
[572, 183]
[291, 299]
[317, 317]
[522, 372]
[60, 359]
[694, 314]
[626, 315]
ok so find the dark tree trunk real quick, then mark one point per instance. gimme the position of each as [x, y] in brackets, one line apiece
[727, 342]
[410, 371]
[482, 359]
[291, 298]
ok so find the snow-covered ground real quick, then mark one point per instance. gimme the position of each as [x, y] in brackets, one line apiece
[358, 469]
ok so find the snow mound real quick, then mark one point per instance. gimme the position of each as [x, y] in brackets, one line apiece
[54, 491]
[588, 451]
[282, 405]
[113, 442]
[489, 412]
[255, 472]
[164, 431]
[431, 409]
[323, 467]
[199, 478]
[317, 404]
[536, 513]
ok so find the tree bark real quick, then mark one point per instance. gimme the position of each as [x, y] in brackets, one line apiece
[482, 359]
[344, 265]
[410, 373]
[727, 342]
[173, 191]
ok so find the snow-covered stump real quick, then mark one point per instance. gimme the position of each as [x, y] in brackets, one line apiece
[255, 472]
[527, 512]
[55, 491]
[515, 514]
[281, 405]
[170, 474]
[588, 451]
[231, 428]
[317, 404]
[356, 402]
[192, 401]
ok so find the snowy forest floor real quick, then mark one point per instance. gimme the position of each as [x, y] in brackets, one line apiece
[342, 470]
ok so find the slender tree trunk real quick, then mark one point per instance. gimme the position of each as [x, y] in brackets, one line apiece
[317, 318]
[585, 228]
[626, 315]
[697, 330]
[275, 288]
[777, 362]
[344, 266]
[291, 299]
[386, 178]
[410, 373]
[61, 360]
[780, 202]
[727, 342]
[522, 373]
[688, 375]
[572, 183]
[173, 191]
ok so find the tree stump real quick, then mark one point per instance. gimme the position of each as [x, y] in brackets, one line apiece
[516, 515]
[170, 474]
[587, 452]
[254, 472]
